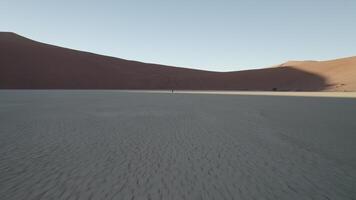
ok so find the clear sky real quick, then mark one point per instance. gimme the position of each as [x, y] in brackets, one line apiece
[220, 35]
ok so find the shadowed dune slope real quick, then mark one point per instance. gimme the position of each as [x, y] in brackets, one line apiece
[27, 64]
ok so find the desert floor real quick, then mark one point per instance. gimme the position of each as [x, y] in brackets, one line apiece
[140, 145]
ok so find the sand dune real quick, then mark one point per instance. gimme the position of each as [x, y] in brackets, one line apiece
[27, 64]
[340, 74]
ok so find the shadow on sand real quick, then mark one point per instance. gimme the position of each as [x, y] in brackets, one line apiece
[269, 79]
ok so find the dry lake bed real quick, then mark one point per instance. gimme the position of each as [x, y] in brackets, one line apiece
[123, 145]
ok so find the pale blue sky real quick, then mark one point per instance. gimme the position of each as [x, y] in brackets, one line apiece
[212, 35]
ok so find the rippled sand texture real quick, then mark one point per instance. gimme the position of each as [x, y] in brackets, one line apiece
[119, 145]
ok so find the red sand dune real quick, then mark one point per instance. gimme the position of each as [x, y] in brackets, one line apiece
[27, 64]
